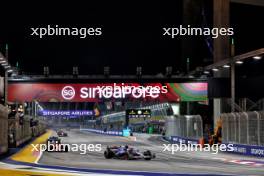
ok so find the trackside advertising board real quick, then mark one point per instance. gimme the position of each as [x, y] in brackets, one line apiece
[97, 92]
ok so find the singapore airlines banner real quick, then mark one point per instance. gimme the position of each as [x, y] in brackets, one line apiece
[97, 92]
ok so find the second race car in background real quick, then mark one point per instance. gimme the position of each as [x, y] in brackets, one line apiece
[61, 133]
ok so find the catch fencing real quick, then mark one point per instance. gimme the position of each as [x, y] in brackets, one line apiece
[243, 128]
[186, 126]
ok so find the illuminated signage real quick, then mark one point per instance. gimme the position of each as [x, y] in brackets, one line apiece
[68, 92]
[138, 113]
[66, 113]
[99, 92]
[115, 91]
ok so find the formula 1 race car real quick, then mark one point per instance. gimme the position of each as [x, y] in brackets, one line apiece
[54, 145]
[54, 140]
[127, 153]
[61, 133]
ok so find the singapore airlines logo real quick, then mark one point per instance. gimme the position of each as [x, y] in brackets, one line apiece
[68, 92]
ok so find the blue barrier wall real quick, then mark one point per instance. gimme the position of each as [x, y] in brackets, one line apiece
[249, 150]
[113, 133]
[178, 139]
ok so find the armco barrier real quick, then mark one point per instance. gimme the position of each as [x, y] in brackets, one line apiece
[249, 150]
[177, 139]
[113, 133]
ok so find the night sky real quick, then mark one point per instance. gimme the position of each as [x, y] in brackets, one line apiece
[132, 35]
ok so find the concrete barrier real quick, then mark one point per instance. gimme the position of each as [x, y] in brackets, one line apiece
[3, 129]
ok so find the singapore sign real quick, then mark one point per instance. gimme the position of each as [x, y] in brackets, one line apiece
[99, 92]
[114, 91]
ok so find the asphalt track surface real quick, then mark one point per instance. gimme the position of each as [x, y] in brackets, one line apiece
[165, 162]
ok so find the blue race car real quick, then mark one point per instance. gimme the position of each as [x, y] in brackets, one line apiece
[127, 153]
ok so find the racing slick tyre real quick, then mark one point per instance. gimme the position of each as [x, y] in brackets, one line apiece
[64, 148]
[147, 155]
[108, 154]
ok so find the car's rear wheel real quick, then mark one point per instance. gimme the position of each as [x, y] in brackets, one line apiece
[108, 154]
